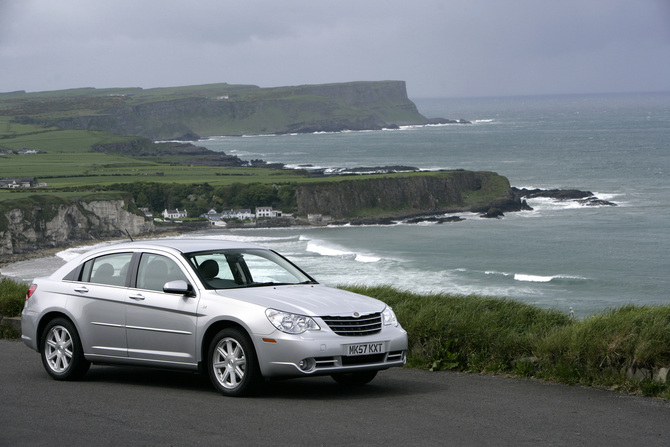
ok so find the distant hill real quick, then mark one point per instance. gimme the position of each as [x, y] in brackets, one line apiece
[218, 109]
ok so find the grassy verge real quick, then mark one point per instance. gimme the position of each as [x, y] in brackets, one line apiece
[12, 298]
[620, 349]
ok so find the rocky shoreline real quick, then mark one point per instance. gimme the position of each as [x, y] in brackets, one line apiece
[515, 202]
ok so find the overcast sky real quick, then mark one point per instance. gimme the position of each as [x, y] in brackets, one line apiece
[442, 48]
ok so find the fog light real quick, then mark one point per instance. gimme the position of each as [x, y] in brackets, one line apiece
[306, 364]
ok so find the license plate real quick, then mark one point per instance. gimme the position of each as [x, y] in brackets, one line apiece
[365, 348]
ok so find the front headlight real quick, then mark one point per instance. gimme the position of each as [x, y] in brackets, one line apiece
[291, 323]
[388, 317]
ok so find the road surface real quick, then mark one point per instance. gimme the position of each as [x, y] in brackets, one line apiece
[117, 406]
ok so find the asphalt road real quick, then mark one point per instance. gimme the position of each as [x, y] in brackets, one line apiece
[115, 406]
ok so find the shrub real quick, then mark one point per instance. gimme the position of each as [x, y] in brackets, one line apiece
[12, 297]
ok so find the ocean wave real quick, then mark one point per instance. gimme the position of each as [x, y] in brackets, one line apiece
[532, 278]
[70, 253]
[546, 203]
[321, 248]
[366, 258]
[492, 272]
[541, 278]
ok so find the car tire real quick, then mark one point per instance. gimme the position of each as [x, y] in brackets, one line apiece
[355, 378]
[232, 364]
[61, 351]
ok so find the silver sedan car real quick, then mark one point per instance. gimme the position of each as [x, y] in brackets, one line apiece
[235, 311]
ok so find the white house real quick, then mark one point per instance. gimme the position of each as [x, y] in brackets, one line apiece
[267, 211]
[242, 214]
[174, 214]
[14, 183]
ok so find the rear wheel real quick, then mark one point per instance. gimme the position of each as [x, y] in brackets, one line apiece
[62, 354]
[233, 366]
[355, 378]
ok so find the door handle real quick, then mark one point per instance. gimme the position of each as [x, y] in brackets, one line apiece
[136, 297]
[81, 289]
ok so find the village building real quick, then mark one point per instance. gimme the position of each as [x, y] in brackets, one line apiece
[241, 214]
[147, 212]
[318, 218]
[27, 151]
[267, 211]
[174, 214]
[26, 182]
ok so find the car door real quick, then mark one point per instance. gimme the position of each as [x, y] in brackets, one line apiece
[98, 300]
[160, 326]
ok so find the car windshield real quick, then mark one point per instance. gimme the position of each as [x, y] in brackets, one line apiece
[227, 269]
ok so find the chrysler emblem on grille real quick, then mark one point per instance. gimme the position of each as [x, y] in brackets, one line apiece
[356, 314]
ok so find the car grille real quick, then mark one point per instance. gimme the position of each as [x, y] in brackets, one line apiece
[352, 326]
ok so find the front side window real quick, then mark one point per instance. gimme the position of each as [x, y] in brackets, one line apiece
[109, 269]
[155, 270]
[226, 269]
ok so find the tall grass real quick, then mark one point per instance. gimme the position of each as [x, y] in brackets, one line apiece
[12, 297]
[495, 335]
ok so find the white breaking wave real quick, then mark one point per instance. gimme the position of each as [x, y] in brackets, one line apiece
[541, 278]
[323, 249]
[532, 278]
[71, 253]
[364, 258]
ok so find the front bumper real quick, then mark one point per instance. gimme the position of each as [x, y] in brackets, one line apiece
[324, 353]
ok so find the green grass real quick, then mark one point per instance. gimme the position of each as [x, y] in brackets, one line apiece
[12, 297]
[496, 335]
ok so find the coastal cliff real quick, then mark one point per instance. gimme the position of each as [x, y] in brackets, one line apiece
[445, 191]
[43, 222]
[51, 222]
[187, 113]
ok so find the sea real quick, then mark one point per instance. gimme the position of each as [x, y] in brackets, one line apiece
[561, 255]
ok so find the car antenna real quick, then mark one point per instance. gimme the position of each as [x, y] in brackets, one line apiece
[128, 233]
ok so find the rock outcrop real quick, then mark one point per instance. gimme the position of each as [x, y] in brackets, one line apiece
[57, 223]
[449, 191]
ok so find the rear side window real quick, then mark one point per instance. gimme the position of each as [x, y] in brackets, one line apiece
[109, 269]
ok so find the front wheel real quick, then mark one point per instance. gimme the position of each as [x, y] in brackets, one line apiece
[62, 354]
[355, 378]
[233, 366]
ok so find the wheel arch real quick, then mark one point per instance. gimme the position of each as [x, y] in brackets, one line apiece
[45, 320]
[209, 334]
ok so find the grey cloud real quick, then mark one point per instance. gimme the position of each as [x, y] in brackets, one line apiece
[441, 48]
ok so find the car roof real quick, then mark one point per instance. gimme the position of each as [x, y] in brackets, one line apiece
[183, 245]
[174, 245]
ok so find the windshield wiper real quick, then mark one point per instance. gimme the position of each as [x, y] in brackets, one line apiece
[272, 283]
[269, 283]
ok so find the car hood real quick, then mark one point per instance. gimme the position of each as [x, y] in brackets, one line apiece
[307, 299]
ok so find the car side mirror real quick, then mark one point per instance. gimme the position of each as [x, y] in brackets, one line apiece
[178, 287]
